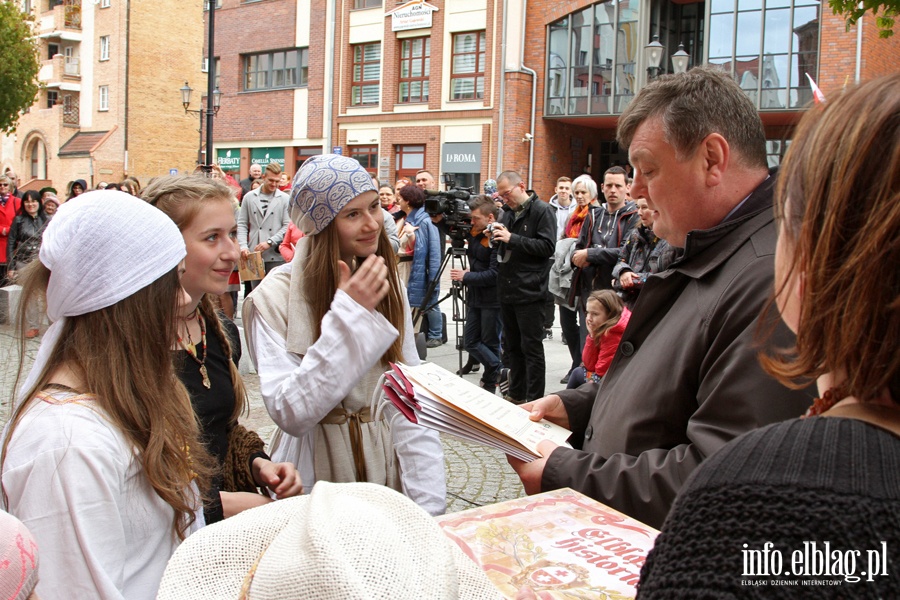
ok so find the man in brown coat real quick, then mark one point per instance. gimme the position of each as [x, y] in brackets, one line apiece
[686, 378]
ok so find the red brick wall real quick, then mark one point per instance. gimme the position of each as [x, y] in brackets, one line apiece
[879, 56]
[245, 29]
[837, 53]
[317, 77]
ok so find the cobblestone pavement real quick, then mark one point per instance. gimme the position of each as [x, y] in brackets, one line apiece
[476, 475]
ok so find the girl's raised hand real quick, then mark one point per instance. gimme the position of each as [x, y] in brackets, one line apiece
[368, 285]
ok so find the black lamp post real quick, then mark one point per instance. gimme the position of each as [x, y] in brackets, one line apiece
[214, 100]
[213, 95]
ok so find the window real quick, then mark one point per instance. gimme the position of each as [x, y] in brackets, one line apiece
[591, 60]
[415, 68]
[409, 160]
[52, 50]
[52, 98]
[204, 65]
[467, 72]
[366, 74]
[366, 3]
[768, 47]
[275, 70]
[104, 47]
[206, 4]
[104, 98]
[367, 157]
[104, 3]
[304, 152]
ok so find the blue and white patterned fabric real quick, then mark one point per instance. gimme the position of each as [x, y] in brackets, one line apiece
[322, 187]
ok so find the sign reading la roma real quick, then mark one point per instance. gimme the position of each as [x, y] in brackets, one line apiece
[415, 14]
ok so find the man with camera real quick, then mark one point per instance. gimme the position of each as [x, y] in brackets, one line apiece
[527, 238]
[482, 340]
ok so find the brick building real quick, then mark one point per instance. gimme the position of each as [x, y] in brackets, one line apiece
[473, 87]
[110, 79]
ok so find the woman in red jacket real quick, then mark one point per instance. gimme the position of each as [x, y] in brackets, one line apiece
[10, 206]
[606, 318]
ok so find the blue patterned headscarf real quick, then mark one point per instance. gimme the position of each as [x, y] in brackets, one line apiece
[322, 187]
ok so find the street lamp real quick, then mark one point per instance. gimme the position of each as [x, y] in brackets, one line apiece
[212, 109]
[680, 60]
[653, 55]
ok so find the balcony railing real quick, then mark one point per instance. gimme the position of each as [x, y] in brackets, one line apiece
[71, 65]
[70, 110]
[72, 13]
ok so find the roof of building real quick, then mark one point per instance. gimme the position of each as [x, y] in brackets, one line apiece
[83, 142]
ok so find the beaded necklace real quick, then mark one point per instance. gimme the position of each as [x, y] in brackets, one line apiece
[191, 349]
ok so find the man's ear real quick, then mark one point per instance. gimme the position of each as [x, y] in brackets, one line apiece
[716, 156]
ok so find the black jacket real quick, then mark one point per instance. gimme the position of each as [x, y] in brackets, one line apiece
[524, 262]
[481, 280]
[24, 240]
[602, 258]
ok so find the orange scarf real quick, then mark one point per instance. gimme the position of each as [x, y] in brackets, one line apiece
[573, 227]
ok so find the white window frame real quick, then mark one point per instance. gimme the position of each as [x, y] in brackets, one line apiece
[104, 47]
[104, 3]
[103, 98]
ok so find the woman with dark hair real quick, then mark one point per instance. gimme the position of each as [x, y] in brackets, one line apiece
[208, 348]
[98, 459]
[426, 263]
[22, 247]
[322, 330]
[816, 495]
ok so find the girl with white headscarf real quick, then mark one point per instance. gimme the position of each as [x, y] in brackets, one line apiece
[98, 459]
[321, 330]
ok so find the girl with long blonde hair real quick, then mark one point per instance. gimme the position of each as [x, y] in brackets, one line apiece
[207, 350]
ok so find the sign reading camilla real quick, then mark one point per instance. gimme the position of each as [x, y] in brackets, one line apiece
[415, 14]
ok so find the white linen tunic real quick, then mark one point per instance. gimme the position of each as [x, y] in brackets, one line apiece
[300, 390]
[73, 479]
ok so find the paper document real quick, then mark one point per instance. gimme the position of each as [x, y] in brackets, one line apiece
[436, 398]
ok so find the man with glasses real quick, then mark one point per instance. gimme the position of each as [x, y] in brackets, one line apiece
[527, 239]
[9, 208]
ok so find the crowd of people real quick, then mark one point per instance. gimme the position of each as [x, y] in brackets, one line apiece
[733, 327]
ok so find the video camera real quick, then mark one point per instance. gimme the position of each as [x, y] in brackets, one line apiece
[453, 205]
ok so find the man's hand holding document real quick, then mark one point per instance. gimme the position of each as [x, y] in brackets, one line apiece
[436, 398]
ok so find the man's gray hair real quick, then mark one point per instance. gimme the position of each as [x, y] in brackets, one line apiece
[693, 105]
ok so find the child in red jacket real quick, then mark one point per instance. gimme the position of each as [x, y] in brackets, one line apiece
[606, 318]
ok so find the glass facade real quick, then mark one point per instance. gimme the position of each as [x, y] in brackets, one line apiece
[591, 59]
[768, 46]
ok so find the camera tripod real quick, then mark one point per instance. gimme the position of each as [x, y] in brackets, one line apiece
[456, 257]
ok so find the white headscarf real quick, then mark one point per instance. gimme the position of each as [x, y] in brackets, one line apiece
[101, 247]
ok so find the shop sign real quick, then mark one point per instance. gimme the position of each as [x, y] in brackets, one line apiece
[412, 15]
[228, 159]
[461, 157]
[263, 156]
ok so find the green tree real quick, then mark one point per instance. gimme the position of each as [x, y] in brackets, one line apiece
[884, 11]
[19, 64]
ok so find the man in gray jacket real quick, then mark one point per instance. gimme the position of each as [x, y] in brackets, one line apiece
[263, 220]
[686, 378]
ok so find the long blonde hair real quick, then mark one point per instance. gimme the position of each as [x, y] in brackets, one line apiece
[181, 199]
[321, 278]
[122, 356]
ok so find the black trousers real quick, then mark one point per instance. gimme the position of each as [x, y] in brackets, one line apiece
[523, 335]
[568, 320]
